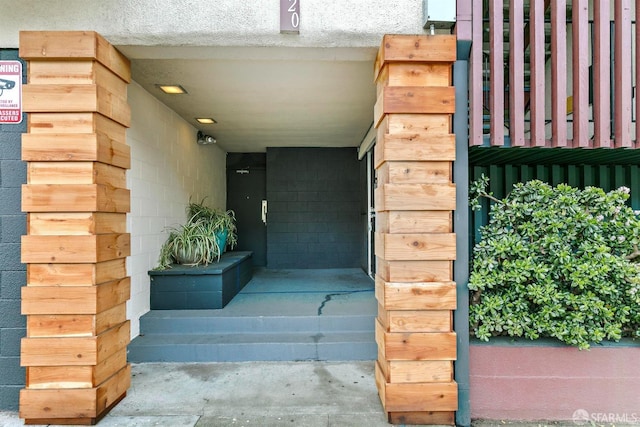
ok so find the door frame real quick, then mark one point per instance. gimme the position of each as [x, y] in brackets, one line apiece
[371, 213]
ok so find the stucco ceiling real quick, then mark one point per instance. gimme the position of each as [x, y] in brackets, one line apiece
[266, 97]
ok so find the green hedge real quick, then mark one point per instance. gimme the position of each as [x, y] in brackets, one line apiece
[556, 262]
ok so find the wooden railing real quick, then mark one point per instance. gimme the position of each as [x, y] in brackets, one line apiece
[556, 74]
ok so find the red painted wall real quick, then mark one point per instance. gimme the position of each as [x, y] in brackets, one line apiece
[510, 382]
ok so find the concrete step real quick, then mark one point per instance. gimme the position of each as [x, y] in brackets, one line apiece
[244, 347]
[217, 336]
[212, 321]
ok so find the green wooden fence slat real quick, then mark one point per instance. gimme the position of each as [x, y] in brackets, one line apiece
[619, 176]
[557, 175]
[634, 185]
[573, 176]
[496, 184]
[542, 173]
[604, 177]
[510, 177]
[588, 176]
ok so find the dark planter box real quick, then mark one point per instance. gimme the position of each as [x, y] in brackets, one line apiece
[202, 287]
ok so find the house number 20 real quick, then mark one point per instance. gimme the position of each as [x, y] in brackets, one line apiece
[295, 15]
[290, 16]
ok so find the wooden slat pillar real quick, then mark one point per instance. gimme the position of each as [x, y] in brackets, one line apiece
[516, 73]
[538, 72]
[415, 243]
[580, 22]
[476, 80]
[558, 73]
[637, 57]
[601, 74]
[496, 72]
[75, 351]
[623, 74]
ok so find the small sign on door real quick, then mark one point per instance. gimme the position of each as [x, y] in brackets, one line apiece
[10, 92]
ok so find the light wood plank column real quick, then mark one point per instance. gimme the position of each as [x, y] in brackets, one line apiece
[415, 243]
[76, 199]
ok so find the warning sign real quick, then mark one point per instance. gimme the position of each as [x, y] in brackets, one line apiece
[10, 92]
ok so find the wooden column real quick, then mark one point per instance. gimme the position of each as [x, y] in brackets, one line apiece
[415, 243]
[75, 351]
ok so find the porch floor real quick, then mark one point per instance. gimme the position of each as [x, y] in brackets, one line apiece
[345, 291]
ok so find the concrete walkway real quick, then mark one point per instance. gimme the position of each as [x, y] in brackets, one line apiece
[247, 394]
[264, 394]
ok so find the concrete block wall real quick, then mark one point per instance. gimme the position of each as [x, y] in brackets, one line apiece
[167, 168]
[13, 173]
[314, 208]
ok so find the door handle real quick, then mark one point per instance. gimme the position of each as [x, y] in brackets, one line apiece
[372, 219]
[264, 212]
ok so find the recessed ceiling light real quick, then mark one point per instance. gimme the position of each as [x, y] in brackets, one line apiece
[206, 120]
[172, 89]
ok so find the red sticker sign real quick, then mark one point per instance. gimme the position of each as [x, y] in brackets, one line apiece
[10, 92]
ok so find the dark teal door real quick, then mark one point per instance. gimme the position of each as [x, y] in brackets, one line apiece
[246, 190]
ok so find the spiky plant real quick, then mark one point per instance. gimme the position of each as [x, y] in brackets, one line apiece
[197, 242]
[219, 220]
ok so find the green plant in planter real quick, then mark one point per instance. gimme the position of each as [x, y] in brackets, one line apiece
[556, 262]
[201, 240]
[222, 223]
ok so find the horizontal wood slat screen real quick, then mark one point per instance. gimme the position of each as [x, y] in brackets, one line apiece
[76, 199]
[415, 244]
